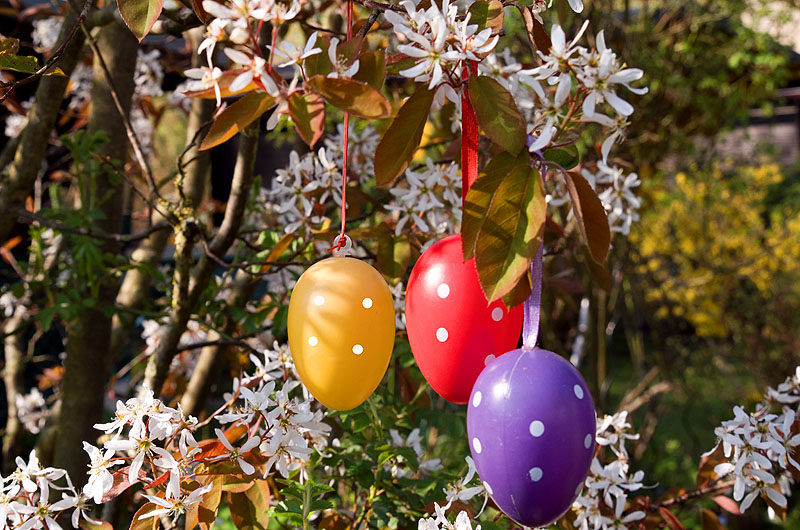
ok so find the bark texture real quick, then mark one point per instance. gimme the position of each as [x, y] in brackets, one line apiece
[18, 180]
[136, 283]
[189, 285]
[88, 357]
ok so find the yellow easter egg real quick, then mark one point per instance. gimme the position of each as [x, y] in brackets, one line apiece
[341, 330]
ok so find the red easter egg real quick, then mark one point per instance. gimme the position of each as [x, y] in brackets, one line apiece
[453, 333]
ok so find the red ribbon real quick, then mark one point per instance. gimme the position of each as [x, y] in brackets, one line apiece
[469, 137]
[342, 238]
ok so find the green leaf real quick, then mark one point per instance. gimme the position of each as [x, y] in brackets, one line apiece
[18, 63]
[567, 157]
[319, 63]
[512, 231]
[479, 196]
[236, 117]
[402, 138]
[250, 510]
[497, 113]
[399, 62]
[590, 215]
[487, 15]
[140, 15]
[308, 114]
[9, 46]
[355, 97]
[372, 68]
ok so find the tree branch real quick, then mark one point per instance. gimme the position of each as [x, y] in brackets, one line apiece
[380, 6]
[132, 137]
[158, 364]
[84, 12]
[31, 218]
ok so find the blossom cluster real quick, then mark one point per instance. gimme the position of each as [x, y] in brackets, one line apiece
[615, 189]
[29, 497]
[439, 40]
[400, 469]
[760, 447]
[602, 503]
[285, 429]
[430, 202]
[441, 522]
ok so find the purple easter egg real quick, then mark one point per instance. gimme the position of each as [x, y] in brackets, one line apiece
[531, 427]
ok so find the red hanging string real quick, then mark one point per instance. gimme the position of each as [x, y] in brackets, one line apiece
[469, 136]
[342, 239]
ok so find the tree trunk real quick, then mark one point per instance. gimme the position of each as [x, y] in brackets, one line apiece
[210, 361]
[14, 345]
[136, 283]
[88, 336]
[34, 139]
[189, 286]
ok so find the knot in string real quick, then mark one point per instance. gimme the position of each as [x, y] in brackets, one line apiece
[342, 245]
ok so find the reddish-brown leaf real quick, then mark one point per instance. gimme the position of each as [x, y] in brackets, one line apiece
[670, 519]
[402, 138]
[727, 504]
[372, 68]
[249, 510]
[224, 87]
[86, 525]
[121, 483]
[355, 97]
[590, 215]
[710, 521]
[707, 464]
[148, 523]
[308, 114]
[204, 513]
[235, 118]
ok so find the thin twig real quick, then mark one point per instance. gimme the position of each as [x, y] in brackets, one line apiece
[380, 6]
[221, 342]
[373, 17]
[84, 12]
[133, 139]
[30, 217]
[713, 487]
[309, 25]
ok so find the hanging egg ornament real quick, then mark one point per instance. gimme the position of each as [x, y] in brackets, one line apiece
[453, 332]
[531, 428]
[341, 327]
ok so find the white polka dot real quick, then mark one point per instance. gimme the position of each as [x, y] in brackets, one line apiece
[537, 428]
[578, 391]
[318, 300]
[587, 441]
[313, 341]
[366, 302]
[488, 488]
[497, 314]
[358, 349]
[536, 474]
[443, 290]
[441, 334]
[488, 359]
[579, 488]
[476, 444]
[476, 399]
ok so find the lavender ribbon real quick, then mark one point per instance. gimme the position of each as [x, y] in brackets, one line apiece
[533, 305]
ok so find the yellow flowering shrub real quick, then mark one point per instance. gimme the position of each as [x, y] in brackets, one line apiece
[717, 249]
